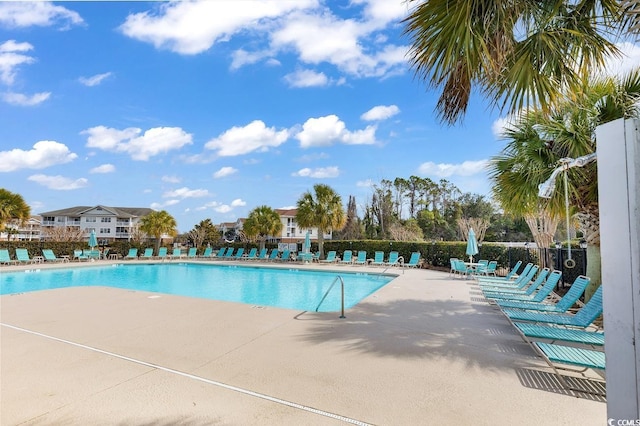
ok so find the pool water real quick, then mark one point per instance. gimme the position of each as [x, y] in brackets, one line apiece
[283, 288]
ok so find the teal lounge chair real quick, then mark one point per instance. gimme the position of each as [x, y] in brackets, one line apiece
[206, 254]
[220, 253]
[252, 255]
[394, 259]
[489, 292]
[133, 254]
[274, 255]
[23, 256]
[582, 318]
[538, 296]
[176, 254]
[192, 253]
[262, 255]
[148, 254]
[491, 268]
[413, 260]
[378, 259]
[347, 257]
[563, 305]
[79, 255]
[331, 257]
[528, 273]
[510, 276]
[162, 253]
[285, 256]
[229, 254]
[555, 334]
[461, 269]
[239, 254]
[361, 259]
[49, 256]
[5, 259]
[576, 357]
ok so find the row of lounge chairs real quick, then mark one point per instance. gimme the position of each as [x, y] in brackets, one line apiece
[562, 330]
[276, 255]
[23, 257]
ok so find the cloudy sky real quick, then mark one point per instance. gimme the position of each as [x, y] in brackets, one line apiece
[210, 109]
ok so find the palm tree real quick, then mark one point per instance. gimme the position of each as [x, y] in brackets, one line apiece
[322, 210]
[12, 207]
[262, 222]
[539, 139]
[157, 224]
[517, 52]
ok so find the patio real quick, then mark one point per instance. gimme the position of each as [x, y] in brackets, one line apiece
[425, 349]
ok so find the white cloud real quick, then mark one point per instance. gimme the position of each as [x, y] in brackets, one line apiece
[307, 28]
[380, 112]
[306, 78]
[628, 60]
[238, 203]
[167, 203]
[444, 170]
[224, 171]
[193, 27]
[104, 168]
[255, 136]
[171, 179]
[59, 183]
[365, 183]
[44, 154]
[241, 58]
[321, 37]
[37, 13]
[24, 100]
[11, 58]
[499, 126]
[324, 131]
[319, 172]
[223, 208]
[139, 146]
[94, 80]
[185, 192]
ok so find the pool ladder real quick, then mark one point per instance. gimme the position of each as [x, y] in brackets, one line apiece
[338, 278]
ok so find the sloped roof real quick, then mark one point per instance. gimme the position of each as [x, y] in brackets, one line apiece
[287, 212]
[118, 211]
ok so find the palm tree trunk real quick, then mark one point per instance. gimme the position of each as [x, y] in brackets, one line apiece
[589, 223]
[320, 243]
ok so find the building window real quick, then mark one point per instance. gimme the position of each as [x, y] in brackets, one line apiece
[105, 230]
[90, 219]
[61, 219]
[105, 219]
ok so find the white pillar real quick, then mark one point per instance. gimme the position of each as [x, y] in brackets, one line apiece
[618, 150]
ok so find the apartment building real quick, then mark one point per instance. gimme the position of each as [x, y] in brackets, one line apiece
[109, 223]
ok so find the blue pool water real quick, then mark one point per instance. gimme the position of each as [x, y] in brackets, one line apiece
[282, 288]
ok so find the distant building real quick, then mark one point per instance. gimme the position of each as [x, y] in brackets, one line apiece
[290, 233]
[22, 231]
[109, 223]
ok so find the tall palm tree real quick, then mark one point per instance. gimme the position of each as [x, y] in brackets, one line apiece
[157, 224]
[517, 52]
[323, 210]
[262, 222]
[12, 207]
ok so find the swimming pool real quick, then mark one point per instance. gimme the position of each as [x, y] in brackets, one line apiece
[283, 288]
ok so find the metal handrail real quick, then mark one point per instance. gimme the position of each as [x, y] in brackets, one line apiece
[327, 293]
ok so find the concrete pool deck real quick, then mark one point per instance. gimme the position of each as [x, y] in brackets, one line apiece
[425, 349]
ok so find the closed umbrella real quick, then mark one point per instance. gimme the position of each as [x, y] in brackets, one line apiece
[307, 242]
[93, 241]
[472, 245]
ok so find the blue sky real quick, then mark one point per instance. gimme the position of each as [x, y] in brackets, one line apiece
[210, 109]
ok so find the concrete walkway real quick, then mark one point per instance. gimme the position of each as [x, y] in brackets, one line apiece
[425, 349]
